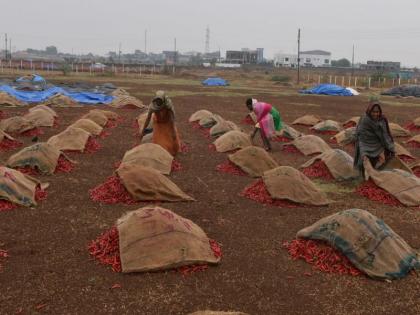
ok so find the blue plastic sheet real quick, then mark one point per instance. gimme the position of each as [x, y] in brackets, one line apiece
[42, 96]
[328, 89]
[215, 82]
[34, 78]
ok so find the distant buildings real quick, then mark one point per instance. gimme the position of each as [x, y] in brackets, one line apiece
[310, 58]
[245, 56]
[381, 66]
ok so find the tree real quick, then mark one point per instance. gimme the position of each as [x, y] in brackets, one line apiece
[51, 50]
[344, 63]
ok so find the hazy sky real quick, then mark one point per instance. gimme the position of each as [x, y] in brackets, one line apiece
[379, 29]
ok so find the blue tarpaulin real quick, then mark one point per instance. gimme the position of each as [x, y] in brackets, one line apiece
[31, 78]
[215, 82]
[328, 89]
[42, 96]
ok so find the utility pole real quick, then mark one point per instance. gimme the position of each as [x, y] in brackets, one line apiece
[145, 41]
[175, 54]
[298, 74]
[207, 47]
[352, 63]
[10, 48]
[119, 52]
[5, 46]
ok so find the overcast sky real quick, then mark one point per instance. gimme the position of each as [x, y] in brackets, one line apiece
[379, 29]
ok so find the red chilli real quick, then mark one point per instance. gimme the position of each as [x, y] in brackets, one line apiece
[112, 191]
[8, 144]
[290, 148]
[32, 132]
[371, 191]
[230, 168]
[318, 170]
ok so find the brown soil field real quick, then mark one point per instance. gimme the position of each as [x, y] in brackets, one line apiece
[50, 271]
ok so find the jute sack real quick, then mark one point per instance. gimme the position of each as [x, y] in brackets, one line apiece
[253, 160]
[154, 238]
[97, 116]
[40, 118]
[401, 151]
[415, 139]
[285, 182]
[216, 313]
[72, 139]
[200, 114]
[398, 131]
[44, 107]
[367, 241]
[88, 125]
[121, 101]
[150, 155]
[338, 162]
[141, 119]
[328, 125]
[395, 163]
[208, 122]
[17, 187]
[4, 136]
[401, 184]
[288, 132]
[60, 100]
[42, 155]
[119, 92]
[147, 184]
[346, 136]
[354, 121]
[16, 124]
[416, 122]
[232, 140]
[307, 120]
[110, 114]
[310, 144]
[222, 127]
[6, 99]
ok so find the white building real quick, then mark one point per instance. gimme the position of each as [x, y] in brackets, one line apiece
[311, 58]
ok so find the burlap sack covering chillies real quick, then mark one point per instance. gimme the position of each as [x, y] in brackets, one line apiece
[285, 182]
[147, 184]
[288, 132]
[401, 184]
[253, 160]
[150, 155]
[367, 241]
[88, 125]
[415, 166]
[310, 144]
[338, 162]
[119, 92]
[73, 139]
[328, 125]
[398, 131]
[61, 100]
[6, 99]
[208, 122]
[43, 107]
[4, 135]
[307, 120]
[347, 136]
[110, 114]
[416, 122]
[42, 155]
[40, 118]
[141, 119]
[416, 138]
[121, 101]
[97, 116]
[222, 127]
[354, 120]
[216, 313]
[395, 163]
[17, 187]
[400, 150]
[200, 114]
[16, 124]
[232, 140]
[154, 238]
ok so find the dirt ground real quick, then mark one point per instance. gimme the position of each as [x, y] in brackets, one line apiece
[50, 271]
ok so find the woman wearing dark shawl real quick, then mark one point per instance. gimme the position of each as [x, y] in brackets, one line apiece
[373, 138]
[164, 130]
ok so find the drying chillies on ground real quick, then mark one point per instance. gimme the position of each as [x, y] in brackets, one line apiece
[349, 124]
[259, 193]
[92, 145]
[325, 132]
[412, 127]
[106, 250]
[416, 171]
[281, 139]
[8, 144]
[6, 205]
[247, 121]
[413, 144]
[111, 191]
[230, 168]
[212, 147]
[371, 191]
[104, 133]
[406, 158]
[318, 170]
[290, 148]
[32, 132]
[63, 166]
[321, 255]
[176, 166]
[204, 131]
[184, 148]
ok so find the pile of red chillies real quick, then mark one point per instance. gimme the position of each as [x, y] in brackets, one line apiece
[318, 170]
[230, 168]
[112, 191]
[412, 127]
[321, 255]
[32, 132]
[176, 166]
[413, 144]
[281, 139]
[371, 191]
[6, 205]
[290, 148]
[8, 144]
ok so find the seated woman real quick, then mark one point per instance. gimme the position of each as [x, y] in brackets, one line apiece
[268, 120]
[164, 130]
[373, 138]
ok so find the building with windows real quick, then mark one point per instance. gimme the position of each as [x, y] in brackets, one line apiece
[245, 56]
[310, 58]
[382, 66]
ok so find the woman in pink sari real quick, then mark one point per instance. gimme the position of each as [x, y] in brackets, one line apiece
[265, 122]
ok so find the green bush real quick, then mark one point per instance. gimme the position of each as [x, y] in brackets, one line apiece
[66, 69]
[281, 78]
